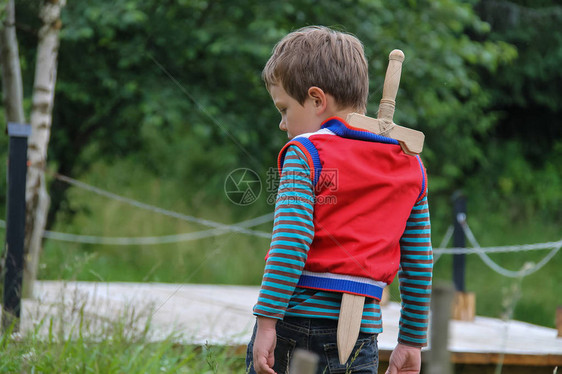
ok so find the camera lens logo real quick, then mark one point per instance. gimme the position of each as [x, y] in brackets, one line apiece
[242, 186]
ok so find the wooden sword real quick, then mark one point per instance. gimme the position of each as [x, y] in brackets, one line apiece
[411, 142]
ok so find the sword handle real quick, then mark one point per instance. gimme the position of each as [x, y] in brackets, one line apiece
[390, 88]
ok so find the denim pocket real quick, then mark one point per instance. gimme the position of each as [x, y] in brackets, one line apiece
[283, 352]
[363, 359]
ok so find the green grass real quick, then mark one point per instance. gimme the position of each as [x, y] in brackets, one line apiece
[230, 258]
[86, 345]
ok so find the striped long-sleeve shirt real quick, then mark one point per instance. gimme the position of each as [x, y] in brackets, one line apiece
[293, 233]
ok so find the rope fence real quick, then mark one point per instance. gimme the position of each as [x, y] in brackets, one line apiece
[527, 269]
[243, 227]
[236, 227]
[148, 240]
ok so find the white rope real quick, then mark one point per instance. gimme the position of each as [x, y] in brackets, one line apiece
[497, 249]
[165, 212]
[527, 269]
[153, 240]
[220, 229]
[148, 240]
[443, 244]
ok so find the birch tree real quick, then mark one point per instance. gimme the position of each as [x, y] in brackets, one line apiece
[37, 198]
[11, 72]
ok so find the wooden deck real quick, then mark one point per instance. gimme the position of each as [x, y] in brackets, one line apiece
[221, 314]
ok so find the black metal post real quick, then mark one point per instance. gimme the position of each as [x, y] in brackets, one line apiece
[459, 240]
[15, 225]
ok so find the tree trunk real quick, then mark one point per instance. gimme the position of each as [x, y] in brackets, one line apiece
[37, 198]
[11, 71]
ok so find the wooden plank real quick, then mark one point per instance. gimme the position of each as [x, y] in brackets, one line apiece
[508, 359]
[222, 315]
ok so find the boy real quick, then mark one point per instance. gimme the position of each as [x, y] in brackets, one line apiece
[351, 212]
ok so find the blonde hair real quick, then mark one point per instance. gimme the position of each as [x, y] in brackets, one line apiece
[319, 56]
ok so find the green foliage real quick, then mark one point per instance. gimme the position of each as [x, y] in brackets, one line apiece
[172, 84]
[522, 168]
[530, 80]
[440, 92]
[511, 184]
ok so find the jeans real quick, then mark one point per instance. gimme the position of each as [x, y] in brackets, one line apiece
[318, 335]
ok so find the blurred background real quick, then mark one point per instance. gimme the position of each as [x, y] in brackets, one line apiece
[159, 101]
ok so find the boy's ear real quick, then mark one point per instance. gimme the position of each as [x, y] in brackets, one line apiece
[318, 97]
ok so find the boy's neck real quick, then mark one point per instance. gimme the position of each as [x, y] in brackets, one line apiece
[340, 113]
[334, 111]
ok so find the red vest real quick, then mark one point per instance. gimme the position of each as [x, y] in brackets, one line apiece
[365, 189]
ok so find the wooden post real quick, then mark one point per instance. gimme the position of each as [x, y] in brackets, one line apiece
[439, 355]
[303, 362]
[15, 225]
[464, 306]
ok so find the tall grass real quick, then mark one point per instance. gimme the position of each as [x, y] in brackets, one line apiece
[70, 339]
[229, 258]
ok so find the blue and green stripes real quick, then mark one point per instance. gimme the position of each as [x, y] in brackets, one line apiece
[416, 265]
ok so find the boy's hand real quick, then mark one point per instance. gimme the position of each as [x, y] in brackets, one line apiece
[264, 345]
[404, 360]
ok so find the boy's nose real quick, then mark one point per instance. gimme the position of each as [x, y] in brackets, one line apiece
[282, 126]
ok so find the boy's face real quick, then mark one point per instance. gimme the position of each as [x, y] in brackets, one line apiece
[296, 119]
